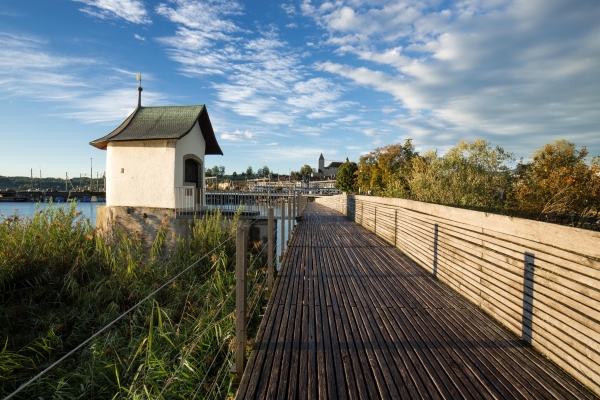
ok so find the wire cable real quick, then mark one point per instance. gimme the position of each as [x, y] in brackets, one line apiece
[210, 326]
[112, 323]
[223, 368]
[256, 303]
[211, 364]
[193, 346]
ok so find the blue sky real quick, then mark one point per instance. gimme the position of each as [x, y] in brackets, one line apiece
[285, 81]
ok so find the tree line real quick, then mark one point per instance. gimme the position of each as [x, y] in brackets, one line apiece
[557, 182]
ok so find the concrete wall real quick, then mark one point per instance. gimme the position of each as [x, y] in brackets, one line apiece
[540, 280]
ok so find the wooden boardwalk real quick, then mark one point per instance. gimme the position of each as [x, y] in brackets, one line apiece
[352, 317]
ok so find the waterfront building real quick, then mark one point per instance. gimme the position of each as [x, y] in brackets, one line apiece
[155, 165]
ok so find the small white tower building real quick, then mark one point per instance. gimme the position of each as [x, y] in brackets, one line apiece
[155, 164]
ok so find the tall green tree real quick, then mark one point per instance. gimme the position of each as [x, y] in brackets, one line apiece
[306, 170]
[470, 175]
[346, 177]
[558, 181]
[383, 171]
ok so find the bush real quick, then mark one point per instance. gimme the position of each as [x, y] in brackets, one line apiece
[558, 185]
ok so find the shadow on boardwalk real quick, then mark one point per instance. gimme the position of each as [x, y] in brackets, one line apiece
[352, 317]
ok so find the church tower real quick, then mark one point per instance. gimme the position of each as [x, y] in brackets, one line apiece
[321, 164]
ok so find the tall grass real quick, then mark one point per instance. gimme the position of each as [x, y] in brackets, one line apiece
[60, 282]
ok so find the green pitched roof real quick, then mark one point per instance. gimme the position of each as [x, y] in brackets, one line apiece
[170, 122]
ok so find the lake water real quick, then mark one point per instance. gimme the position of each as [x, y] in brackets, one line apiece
[8, 209]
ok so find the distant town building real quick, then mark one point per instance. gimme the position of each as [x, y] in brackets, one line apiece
[328, 171]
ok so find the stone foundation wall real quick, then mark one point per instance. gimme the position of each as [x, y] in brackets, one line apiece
[147, 221]
[143, 221]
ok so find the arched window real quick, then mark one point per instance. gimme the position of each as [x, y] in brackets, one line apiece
[192, 172]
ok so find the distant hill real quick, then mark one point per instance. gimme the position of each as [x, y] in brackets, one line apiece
[25, 182]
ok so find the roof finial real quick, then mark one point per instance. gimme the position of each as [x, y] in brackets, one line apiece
[139, 78]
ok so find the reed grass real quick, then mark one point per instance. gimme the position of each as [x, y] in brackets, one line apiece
[60, 282]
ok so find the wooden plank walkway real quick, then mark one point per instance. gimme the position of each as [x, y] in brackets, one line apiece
[352, 317]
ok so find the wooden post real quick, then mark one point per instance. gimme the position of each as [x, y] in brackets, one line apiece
[270, 249]
[282, 228]
[294, 210]
[289, 219]
[240, 300]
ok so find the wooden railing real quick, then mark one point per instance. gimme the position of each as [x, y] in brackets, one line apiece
[541, 281]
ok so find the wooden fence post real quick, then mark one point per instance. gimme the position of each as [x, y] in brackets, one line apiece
[270, 249]
[293, 207]
[241, 248]
[282, 228]
[289, 219]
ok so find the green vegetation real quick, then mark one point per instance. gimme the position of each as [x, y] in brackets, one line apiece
[557, 184]
[60, 282]
[306, 170]
[346, 177]
[24, 183]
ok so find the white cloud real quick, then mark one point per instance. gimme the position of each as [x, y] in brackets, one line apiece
[292, 25]
[289, 8]
[370, 132]
[138, 37]
[261, 75]
[28, 70]
[204, 16]
[349, 118]
[492, 69]
[237, 135]
[130, 10]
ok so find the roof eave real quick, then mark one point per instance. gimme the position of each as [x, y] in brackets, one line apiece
[212, 146]
[102, 143]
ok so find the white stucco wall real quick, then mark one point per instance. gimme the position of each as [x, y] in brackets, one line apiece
[192, 145]
[141, 173]
[145, 173]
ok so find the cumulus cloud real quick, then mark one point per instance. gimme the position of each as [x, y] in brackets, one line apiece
[492, 69]
[292, 25]
[138, 37]
[289, 8]
[130, 10]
